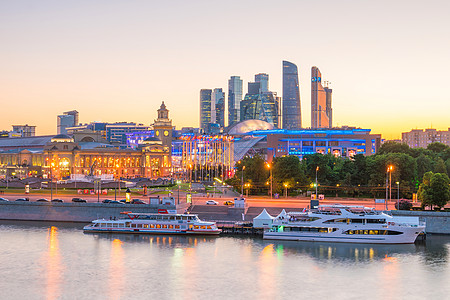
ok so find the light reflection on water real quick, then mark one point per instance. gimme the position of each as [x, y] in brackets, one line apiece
[120, 266]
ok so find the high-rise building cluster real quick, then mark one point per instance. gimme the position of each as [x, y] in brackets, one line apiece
[259, 103]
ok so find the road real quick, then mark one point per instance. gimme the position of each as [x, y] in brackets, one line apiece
[291, 202]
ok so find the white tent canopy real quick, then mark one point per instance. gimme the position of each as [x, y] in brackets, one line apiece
[282, 215]
[263, 220]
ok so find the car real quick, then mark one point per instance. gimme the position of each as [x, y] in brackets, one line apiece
[115, 202]
[57, 200]
[211, 202]
[228, 203]
[42, 200]
[23, 199]
[106, 201]
[123, 201]
[137, 201]
[78, 200]
[4, 199]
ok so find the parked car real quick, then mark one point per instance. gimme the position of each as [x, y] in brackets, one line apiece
[123, 201]
[228, 203]
[107, 201]
[57, 200]
[78, 200]
[137, 201]
[3, 199]
[212, 202]
[115, 202]
[23, 199]
[42, 200]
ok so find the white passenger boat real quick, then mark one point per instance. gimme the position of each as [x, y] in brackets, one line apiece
[155, 224]
[348, 224]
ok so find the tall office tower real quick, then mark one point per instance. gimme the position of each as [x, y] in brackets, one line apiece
[218, 107]
[329, 109]
[264, 106]
[292, 116]
[263, 79]
[253, 88]
[67, 119]
[205, 108]
[234, 99]
[319, 118]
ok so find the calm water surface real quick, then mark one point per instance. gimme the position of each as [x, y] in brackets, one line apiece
[42, 261]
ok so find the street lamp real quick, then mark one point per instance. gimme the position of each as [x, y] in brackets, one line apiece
[398, 195]
[285, 189]
[242, 181]
[271, 179]
[317, 169]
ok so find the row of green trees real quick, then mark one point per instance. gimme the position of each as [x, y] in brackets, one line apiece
[360, 176]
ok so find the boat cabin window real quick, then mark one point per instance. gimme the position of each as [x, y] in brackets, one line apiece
[177, 226]
[375, 221]
[171, 226]
[133, 225]
[152, 225]
[145, 225]
[341, 220]
[359, 221]
[158, 225]
[196, 227]
[373, 232]
[139, 225]
[121, 225]
[202, 227]
[185, 217]
[164, 226]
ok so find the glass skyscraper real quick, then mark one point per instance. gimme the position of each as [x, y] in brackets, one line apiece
[205, 108]
[292, 117]
[234, 99]
[263, 106]
[218, 107]
[319, 117]
[263, 80]
[329, 109]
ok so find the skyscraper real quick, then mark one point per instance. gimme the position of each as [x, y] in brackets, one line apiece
[329, 109]
[218, 107]
[263, 80]
[263, 106]
[319, 118]
[292, 117]
[234, 99]
[205, 107]
[67, 119]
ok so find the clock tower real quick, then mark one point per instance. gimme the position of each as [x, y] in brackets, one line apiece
[163, 131]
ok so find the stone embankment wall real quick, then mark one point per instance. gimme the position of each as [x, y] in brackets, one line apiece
[437, 222]
[71, 212]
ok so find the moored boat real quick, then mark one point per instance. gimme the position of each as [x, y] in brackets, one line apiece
[188, 224]
[344, 223]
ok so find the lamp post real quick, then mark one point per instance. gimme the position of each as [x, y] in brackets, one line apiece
[178, 183]
[271, 179]
[317, 169]
[390, 182]
[285, 189]
[242, 181]
[398, 195]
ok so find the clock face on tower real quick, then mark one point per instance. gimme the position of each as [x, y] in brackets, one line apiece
[157, 133]
[166, 133]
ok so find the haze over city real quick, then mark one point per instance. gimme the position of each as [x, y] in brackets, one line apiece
[116, 61]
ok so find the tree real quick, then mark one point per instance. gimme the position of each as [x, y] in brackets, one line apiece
[440, 190]
[440, 166]
[424, 164]
[434, 190]
[394, 147]
[424, 193]
[287, 169]
[437, 147]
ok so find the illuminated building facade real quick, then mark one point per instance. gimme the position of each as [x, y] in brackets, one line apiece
[205, 157]
[292, 118]
[419, 138]
[329, 109]
[319, 118]
[67, 119]
[265, 107]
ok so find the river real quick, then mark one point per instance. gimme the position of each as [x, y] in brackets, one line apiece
[59, 261]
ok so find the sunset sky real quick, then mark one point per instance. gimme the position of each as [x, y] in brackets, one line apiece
[388, 61]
